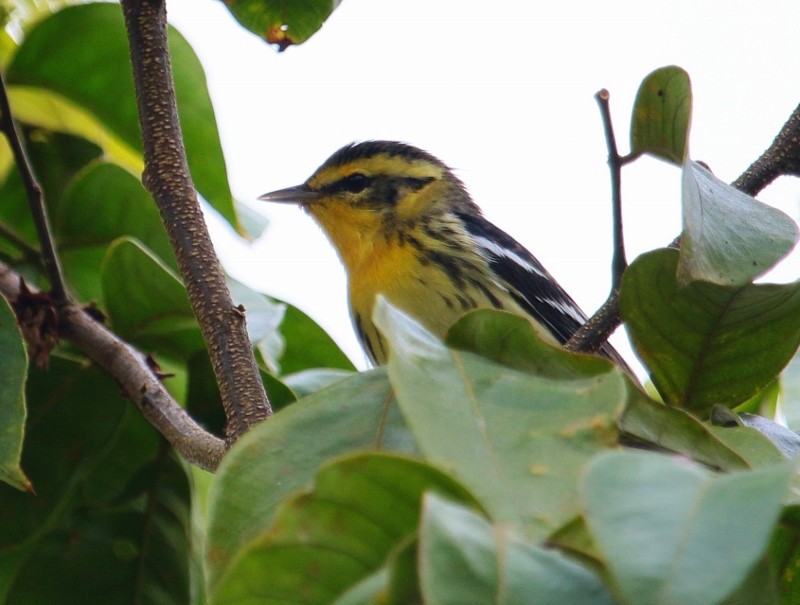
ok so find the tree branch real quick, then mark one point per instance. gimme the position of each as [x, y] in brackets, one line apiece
[166, 176]
[780, 158]
[131, 370]
[35, 195]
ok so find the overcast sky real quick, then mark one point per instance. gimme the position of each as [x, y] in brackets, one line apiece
[503, 93]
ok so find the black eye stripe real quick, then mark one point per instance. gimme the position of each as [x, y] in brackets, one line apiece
[352, 183]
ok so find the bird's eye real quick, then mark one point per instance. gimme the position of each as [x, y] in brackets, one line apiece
[354, 183]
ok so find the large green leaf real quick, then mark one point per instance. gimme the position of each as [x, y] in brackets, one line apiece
[281, 456]
[662, 114]
[108, 496]
[13, 372]
[282, 22]
[704, 343]
[728, 237]
[511, 340]
[667, 528]
[678, 431]
[81, 54]
[518, 441]
[101, 204]
[466, 560]
[327, 540]
[56, 158]
[147, 302]
[307, 345]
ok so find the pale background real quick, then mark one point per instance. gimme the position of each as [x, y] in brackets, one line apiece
[503, 92]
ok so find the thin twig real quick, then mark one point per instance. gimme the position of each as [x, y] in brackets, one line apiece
[166, 176]
[33, 189]
[130, 370]
[619, 263]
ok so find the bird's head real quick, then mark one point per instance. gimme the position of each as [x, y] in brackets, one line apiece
[375, 188]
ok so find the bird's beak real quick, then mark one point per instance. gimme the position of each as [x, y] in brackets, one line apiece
[300, 194]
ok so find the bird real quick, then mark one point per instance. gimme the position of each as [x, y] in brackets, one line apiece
[405, 227]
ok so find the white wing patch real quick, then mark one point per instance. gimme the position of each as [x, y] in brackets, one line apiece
[498, 250]
[565, 308]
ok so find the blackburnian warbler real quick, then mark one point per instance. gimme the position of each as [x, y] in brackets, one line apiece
[405, 227]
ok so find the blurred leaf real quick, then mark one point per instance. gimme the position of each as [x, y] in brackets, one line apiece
[728, 237]
[56, 159]
[789, 401]
[310, 381]
[676, 430]
[785, 554]
[517, 441]
[662, 523]
[61, 50]
[662, 114]
[705, 343]
[147, 303]
[13, 372]
[264, 316]
[464, 559]
[759, 586]
[282, 22]
[108, 498]
[50, 110]
[512, 341]
[785, 440]
[327, 540]
[101, 204]
[281, 456]
[308, 346]
[765, 402]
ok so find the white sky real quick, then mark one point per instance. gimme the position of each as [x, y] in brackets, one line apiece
[503, 93]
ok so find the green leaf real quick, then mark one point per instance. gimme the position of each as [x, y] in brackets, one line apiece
[789, 381]
[786, 441]
[108, 496]
[280, 456]
[310, 381]
[13, 372]
[516, 440]
[307, 345]
[56, 158]
[662, 114]
[324, 541]
[49, 110]
[131, 275]
[101, 204]
[147, 302]
[662, 525]
[676, 430]
[785, 554]
[264, 315]
[81, 53]
[704, 343]
[282, 22]
[728, 237]
[466, 560]
[511, 340]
